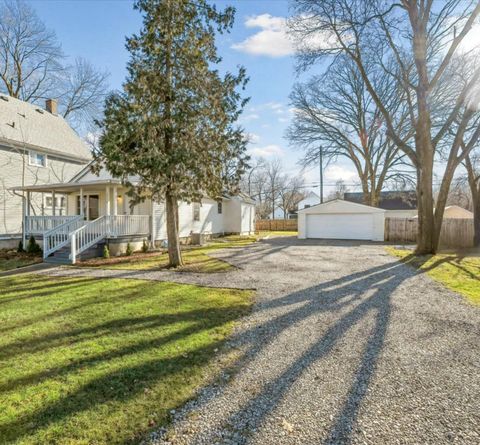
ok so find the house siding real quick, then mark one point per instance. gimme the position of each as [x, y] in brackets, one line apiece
[12, 162]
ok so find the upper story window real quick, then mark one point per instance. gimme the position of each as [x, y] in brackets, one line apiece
[196, 211]
[219, 207]
[38, 159]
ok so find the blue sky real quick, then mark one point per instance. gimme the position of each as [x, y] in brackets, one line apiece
[96, 30]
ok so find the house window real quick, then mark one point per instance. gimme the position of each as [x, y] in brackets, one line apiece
[196, 211]
[219, 207]
[306, 206]
[38, 159]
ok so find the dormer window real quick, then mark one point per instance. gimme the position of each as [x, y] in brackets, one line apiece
[38, 159]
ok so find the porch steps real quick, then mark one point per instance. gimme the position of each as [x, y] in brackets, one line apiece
[61, 256]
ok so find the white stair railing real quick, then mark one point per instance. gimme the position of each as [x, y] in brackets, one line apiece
[59, 236]
[87, 236]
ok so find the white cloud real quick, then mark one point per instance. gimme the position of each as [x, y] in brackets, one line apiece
[335, 172]
[266, 151]
[249, 117]
[283, 120]
[272, 39]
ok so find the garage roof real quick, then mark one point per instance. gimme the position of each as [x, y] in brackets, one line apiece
[341, 206]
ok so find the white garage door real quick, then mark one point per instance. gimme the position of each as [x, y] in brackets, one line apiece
[340, 226]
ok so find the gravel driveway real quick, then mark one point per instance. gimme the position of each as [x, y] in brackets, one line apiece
[345, 346]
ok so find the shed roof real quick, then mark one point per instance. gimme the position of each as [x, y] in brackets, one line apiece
[340, 206]
[26, 125]
[389, 200]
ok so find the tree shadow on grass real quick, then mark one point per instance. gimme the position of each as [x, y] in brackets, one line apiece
[347, 293]
[132, 379]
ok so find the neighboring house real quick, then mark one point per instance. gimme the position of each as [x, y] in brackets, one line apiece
[397, 204]
[456, 212]
[280, 214]
[99, 211]
[37, 147]
[310, 199]
[339, 219]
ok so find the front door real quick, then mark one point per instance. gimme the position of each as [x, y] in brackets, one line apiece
[93, 207]
[90, 206]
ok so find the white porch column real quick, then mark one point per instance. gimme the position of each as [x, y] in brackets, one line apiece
[54, 204]
[107, 200]
[115, 199]
[81, 202]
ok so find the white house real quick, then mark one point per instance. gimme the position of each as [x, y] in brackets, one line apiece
[98, 210]
[310, 200]
[339, 219]
[37, 147]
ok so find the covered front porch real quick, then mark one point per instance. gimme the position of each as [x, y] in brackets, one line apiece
[78, 216]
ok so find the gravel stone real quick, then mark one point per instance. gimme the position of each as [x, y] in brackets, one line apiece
[345, 345]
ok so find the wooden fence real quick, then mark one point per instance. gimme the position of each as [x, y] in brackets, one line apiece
[280, 225]
[456, 233]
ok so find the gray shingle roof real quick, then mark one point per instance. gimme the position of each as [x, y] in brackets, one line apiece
[29, 125]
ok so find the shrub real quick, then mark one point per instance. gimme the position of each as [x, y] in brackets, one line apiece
[20, 248]
[144, 246]
[129, 250]
[32, 246]
[106, 252]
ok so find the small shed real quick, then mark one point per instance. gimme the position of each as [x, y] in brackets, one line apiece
[339, 219]
[457, 212]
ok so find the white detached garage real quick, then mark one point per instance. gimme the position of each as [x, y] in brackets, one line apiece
[339, 219]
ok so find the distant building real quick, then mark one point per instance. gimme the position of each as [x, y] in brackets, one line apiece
[310, 200]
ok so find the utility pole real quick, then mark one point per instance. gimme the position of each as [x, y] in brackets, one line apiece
[320, 155]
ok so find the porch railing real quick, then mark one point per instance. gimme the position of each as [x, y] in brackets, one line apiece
[38, 225]
[83, 234]
[59, 236]
[87, 236]
[123, 225]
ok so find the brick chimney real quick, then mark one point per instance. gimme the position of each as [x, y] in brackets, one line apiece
[51, 106]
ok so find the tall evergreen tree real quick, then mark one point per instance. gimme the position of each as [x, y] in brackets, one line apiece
[173, 126]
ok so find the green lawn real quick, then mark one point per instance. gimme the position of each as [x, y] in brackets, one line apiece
[196, 259]
[264, 234]
[90, 361]
[461, 274]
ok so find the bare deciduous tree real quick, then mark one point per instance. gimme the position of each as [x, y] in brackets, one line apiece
[83, 92]
[267, 183]
[336, 111]
[472, 164]
[416, 43]
[32, 67]
[30, 55]
[291, 194]
[339, 191]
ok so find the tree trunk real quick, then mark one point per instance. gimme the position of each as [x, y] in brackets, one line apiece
[426, 222]
[476, 221]
[174, 253]
[443, 196]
